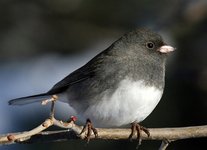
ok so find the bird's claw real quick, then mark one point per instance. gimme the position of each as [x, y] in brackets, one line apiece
[88, 129]
[136, 127]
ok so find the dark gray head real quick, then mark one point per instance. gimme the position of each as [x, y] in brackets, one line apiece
[143, 43]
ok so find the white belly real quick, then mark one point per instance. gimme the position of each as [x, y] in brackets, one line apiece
[132, 101]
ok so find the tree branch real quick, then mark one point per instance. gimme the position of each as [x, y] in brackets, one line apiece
[163, 134]
[166, 135]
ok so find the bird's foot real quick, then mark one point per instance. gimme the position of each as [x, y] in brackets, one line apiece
[135, 127]
[88, 129]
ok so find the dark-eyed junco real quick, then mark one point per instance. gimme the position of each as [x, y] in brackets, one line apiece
[121, 85]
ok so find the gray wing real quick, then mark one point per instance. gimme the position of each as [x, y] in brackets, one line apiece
[95, 66]
[85, 72]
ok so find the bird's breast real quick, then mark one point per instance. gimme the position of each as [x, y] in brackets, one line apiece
[131, 101]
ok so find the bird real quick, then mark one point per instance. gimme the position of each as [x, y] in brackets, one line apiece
[119, 86]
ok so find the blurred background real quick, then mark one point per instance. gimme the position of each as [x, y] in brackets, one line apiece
[42, 41]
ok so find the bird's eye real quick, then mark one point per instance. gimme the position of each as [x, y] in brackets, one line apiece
[150, 45]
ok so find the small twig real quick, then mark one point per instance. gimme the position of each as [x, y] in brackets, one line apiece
[52, 99]
[68, 125]
[19, 137]
[164, 144]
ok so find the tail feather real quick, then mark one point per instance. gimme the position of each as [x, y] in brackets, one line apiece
[29, 99]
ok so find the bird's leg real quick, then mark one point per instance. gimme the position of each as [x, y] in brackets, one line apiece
[88, 128]
[136, 127]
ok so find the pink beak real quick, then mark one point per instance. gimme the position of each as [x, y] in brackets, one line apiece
[166, 49]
